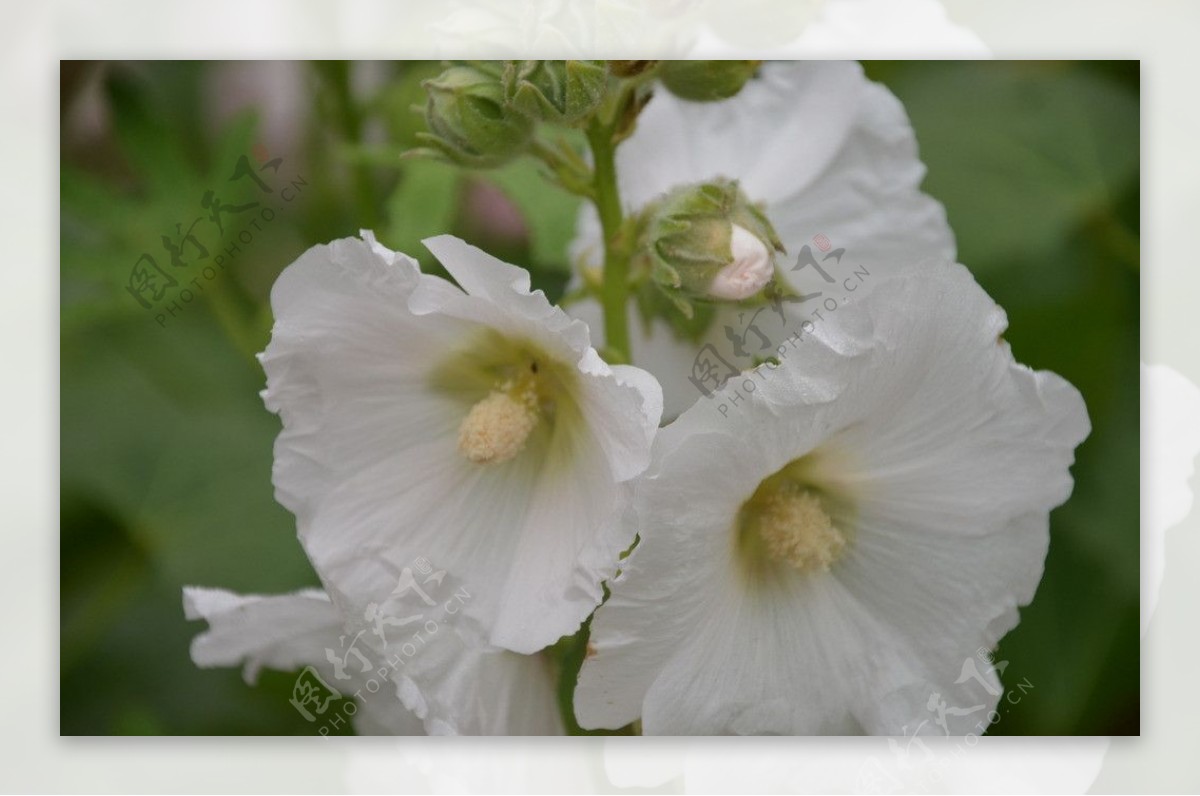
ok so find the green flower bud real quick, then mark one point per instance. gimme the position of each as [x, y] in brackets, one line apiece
[707, 241]
[706, 81]
[561, 92]
[469, 122]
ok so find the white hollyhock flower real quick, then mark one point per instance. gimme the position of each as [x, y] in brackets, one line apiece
[469, 688]
[474, 427]
[289, 632]
[832, 158]
[828, 543]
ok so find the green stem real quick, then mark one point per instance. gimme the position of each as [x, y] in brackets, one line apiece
[348, 118]
[614, 292]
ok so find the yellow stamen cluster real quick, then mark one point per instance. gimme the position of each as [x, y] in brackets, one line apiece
[497, 428]
[796, 529]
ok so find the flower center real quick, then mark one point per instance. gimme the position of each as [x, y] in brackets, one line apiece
[497, 428]
[800, 517]
[796, 529]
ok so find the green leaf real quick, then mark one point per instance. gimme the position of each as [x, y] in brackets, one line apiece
[423, 204]
[1020, 153]
[106, 226]
[549, 212]
[165, 428]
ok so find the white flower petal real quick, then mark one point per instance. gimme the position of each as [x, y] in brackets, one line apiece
[806, 659]
[340, 323]
[656, 349]
[623, 435]
[774, 136]
[571, 537]
[867, 201]
[465, 688]
[497, 294]
[288, 632]
[632, 635]
[284, 632]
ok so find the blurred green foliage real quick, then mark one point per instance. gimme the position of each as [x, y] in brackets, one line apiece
[1038, 167]
[166, 447]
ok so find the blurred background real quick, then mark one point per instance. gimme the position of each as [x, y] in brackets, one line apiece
[187, 187]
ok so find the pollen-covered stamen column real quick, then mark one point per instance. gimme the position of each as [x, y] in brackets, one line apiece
[797, 530]
[496, 428]
[790, 520]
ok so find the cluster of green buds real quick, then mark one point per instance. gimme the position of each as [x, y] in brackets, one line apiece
[706, 242]
[483, 114]
[558, 92]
